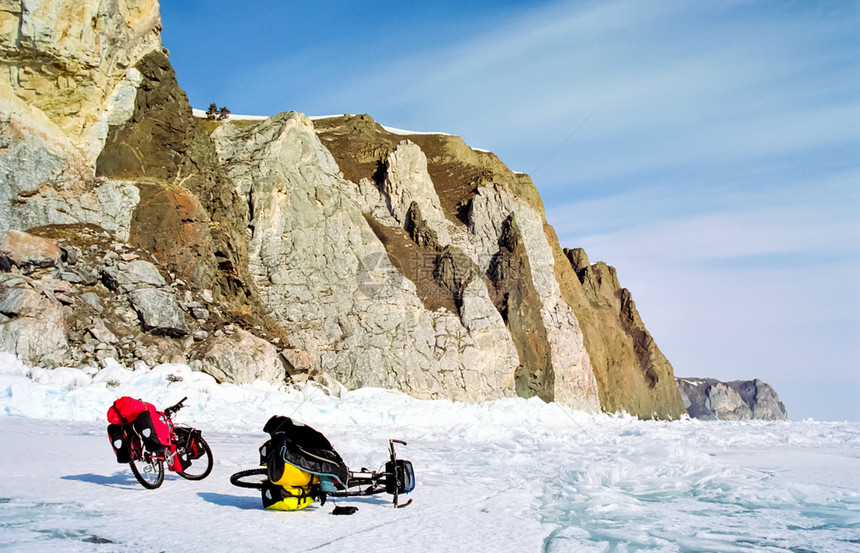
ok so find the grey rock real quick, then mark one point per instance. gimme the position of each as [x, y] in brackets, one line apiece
[92, 299]
[108, 352]
[132, 275]
[71, 254]
[242, 358]
[200, 313]
[108, 204]
[21, 302]
[408, 189]
[86, 275]
[68, 70]
[12, 281]
[65, 299]
[739, 400]
[101, 333]
[189, 304]
[71, 277]
[159, 312]
[127, 314]
[33, 327]
[326, 278]
[489, 212]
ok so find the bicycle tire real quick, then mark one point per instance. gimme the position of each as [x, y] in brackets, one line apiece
[236, 479]
[206, 457]
[156, 466]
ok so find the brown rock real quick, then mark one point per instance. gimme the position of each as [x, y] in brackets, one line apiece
[27, 251]
[171, 223]
[519, 303]
[241, 358]
[632, 373]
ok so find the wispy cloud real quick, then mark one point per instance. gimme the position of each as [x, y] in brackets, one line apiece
[763, 284]
[674, 83]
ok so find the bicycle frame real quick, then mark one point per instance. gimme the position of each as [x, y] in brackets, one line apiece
[397, 477]
[186, 447]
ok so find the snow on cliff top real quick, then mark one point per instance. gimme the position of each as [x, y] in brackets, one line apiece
[393, 130]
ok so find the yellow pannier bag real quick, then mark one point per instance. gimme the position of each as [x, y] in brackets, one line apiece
[279, 498]
[293, 476]
[291, 491]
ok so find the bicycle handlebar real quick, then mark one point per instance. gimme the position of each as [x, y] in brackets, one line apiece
[174, 408]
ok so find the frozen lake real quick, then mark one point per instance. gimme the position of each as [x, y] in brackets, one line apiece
[505, 475]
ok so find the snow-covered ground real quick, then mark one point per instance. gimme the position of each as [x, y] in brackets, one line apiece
[508, 475]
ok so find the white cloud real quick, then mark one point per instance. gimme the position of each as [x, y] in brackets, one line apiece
[674, 83]
[765, 286]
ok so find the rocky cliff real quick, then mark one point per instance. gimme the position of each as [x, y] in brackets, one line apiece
[739, 400]
[332, 249]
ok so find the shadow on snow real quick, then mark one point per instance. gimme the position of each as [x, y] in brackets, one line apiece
[116, 480]
[245, 503]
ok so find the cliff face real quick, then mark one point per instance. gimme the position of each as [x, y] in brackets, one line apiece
[470, 234]
[328, 249]
[632, 372]
[67, 73]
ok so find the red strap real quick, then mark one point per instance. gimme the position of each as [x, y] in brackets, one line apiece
[118, 414]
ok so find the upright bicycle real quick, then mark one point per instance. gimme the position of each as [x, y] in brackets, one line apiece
[148, 440]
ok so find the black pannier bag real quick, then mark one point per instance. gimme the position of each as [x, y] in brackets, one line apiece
[404, 481]
[119, 440]
[190, 448]
[146, 428]
[187, 438]
[302, 447]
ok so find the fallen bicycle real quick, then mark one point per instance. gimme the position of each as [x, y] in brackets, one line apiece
[300, 466]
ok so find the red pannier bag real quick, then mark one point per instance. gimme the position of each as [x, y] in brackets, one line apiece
[126, 409]
[151, 425]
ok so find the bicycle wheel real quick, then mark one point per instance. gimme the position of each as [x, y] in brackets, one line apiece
[199, 468]
[148, 470]
[244, 479]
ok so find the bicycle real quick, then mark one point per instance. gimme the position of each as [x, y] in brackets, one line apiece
[147, 460]
[305, 449]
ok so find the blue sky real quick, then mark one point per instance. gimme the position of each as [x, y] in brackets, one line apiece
[717, 165]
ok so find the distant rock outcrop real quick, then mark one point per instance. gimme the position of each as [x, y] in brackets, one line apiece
[739, 400]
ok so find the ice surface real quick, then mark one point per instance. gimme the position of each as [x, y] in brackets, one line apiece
[507, 475]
